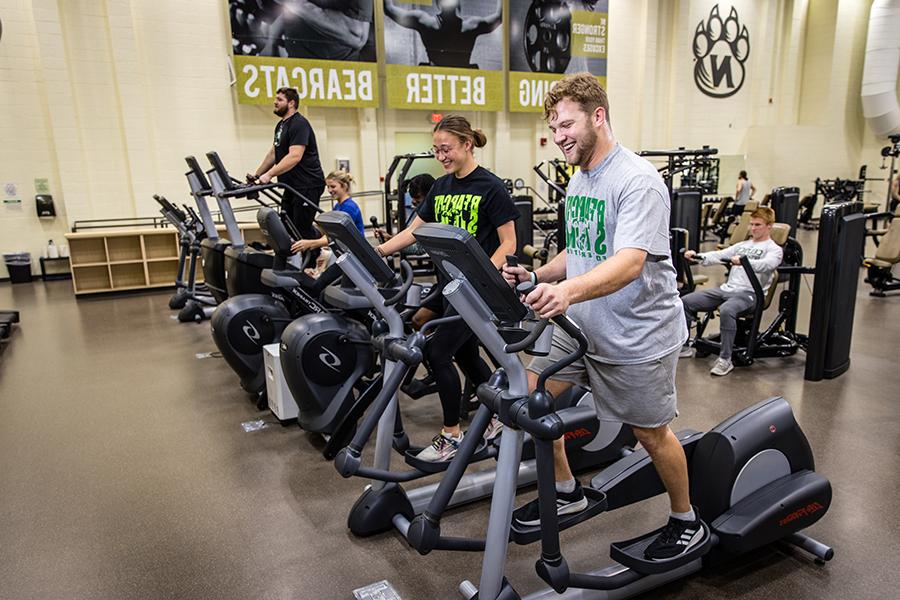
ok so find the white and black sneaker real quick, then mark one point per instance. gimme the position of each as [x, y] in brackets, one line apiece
[569, 503]
[443, 447]
[676, 538]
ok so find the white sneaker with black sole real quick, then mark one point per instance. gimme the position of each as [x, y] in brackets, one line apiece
[569, 503]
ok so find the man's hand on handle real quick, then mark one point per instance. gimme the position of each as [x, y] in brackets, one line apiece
[548, 300]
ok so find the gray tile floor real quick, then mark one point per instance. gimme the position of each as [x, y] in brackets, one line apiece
[125, 473]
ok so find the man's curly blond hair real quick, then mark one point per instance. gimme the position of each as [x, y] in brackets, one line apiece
[582, 88]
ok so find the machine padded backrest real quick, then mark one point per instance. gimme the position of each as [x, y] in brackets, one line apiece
[780, 233]
[273, 228]
[720, 210]
[889, 248]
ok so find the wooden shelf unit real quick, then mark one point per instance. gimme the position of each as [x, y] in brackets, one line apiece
[130, 259]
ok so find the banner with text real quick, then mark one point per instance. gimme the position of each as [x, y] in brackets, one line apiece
[327, 53]
[552, 38]
[444, 55]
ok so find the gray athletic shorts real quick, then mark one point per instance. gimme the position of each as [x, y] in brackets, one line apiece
[641, 394]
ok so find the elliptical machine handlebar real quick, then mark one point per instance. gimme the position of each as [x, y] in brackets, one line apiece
[407, 273]
[567, 325]
[248, 190]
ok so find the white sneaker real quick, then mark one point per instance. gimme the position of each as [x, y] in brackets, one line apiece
[443, 447]
[723, 366]
[494, 428]
[686, 351]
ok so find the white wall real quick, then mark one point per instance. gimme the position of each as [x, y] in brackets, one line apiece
[105, 98]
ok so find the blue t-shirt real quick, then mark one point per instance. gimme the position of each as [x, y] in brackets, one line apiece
[352, 208]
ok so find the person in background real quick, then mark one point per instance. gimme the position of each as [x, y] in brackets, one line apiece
[418, 189]
[472, 198]
[743, 192]
[338, 184]
[294, 159]
[735, 295]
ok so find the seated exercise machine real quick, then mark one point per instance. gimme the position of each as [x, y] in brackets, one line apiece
[831, 190]
[887, 254]
[752, 477]
[385, 503]
[780, 338]
[827, 345]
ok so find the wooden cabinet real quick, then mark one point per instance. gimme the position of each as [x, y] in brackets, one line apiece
[133, 259]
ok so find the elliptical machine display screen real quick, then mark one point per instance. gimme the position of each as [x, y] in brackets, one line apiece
[456, 253]
[339, 227]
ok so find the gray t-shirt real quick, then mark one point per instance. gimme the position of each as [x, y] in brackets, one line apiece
[623, 203]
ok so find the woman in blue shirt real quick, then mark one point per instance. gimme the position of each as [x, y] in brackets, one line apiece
[338, 184]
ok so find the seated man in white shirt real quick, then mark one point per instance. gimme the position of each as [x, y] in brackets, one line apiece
[735, 295]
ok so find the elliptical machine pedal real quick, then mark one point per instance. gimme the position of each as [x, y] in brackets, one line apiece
[484, 450]
[630, 553]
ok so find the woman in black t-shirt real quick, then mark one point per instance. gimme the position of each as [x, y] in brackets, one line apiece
[473, 198]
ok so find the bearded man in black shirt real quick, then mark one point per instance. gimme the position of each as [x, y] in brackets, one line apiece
[294, 159]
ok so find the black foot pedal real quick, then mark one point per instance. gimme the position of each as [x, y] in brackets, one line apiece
[417, 388]
[481, 452]
[521, 534]
[630, 553]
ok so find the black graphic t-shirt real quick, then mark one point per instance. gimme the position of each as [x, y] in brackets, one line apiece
[478, 203]
[296, 131]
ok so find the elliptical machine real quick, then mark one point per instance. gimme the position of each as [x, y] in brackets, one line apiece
[212, 247]
[752, 477]
[190, 235]
[385, 504]
[244, 323]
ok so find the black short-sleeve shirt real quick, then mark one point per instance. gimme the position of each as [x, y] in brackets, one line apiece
[478, 203]
[296, 131]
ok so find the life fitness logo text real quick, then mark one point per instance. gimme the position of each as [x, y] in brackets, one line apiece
[720, 50]
[801, 512]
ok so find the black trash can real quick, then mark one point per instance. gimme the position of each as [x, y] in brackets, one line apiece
[19, 266]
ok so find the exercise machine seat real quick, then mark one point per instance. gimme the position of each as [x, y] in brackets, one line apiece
[888, 252]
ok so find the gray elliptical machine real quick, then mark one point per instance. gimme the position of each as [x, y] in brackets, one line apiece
[385, 504]
[752, 477]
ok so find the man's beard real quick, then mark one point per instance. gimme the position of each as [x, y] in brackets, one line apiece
[585, 148]
[281, 111]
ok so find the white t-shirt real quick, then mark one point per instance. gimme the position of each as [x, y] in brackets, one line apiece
[764, 258]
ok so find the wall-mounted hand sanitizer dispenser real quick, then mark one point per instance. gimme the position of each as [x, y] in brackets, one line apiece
[44, 203]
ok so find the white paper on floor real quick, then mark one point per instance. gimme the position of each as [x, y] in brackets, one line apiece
[249, 426]
[381, 590]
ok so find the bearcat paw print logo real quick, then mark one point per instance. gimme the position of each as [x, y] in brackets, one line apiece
[720, 50]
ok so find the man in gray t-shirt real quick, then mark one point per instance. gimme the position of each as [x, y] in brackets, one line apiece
[742, 193]
[617, 282]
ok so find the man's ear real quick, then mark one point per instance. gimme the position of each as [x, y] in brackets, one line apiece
[599, 116]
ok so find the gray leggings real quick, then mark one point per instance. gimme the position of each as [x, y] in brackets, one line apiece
[730, 305]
